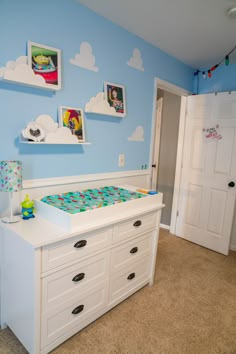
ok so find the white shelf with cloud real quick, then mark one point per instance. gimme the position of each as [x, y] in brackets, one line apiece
[99, 105]
[137, 135]
[85, 58]
[19, 72]
[136, 60]
[52, 133]
[47, 123]
[62, 135]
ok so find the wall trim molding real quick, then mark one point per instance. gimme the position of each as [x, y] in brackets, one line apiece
[54, 181]
[166, 227]
[232, 247]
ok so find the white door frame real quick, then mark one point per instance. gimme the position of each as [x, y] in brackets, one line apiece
[179, 91]
[178, 168]
[156, 147]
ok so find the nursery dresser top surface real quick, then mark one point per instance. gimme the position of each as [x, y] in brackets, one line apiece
[39, 231]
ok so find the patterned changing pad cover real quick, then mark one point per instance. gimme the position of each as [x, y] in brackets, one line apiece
[89, 199]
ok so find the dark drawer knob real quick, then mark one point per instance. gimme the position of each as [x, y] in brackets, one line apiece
[80, 244]
[134, 250]
[137, 223]
[78, 309]
[78, 277]
[231, 184]
[131, 276]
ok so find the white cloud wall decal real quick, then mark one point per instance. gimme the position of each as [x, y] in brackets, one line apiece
[62, 135]
[136, 60]
[99, 104]
[137, 135]
[85, 59]
[47, 123]
[19, 71]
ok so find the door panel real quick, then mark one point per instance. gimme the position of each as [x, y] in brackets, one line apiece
[193, 205]
[216, 211]
[204, 105]
[198, 149]
[224, 151]
[206, 202]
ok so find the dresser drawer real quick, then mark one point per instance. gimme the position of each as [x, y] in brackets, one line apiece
[57, 322]
[74, 280]
[75, 248]
[130, 252]
[125, 282]
[134, 226]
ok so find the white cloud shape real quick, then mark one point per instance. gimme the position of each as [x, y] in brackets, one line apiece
[85, 58]
[62, 135]
[99, 104]
[136, 60]
[19, 71]
[137, 135]
[47, 123]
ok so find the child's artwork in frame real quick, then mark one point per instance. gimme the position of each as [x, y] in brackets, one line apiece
[115, 96]
[73, 119]
[46, 62]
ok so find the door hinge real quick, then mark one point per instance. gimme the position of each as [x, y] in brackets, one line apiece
[177, 214]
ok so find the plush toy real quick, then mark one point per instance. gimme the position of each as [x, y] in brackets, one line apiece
[27, 208]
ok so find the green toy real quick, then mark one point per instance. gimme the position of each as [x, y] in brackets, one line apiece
[27, 208]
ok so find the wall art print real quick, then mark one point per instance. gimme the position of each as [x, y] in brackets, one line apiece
[46, 62]
[73, 119]
[115, 96]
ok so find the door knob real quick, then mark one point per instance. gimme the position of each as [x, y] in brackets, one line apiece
[231, 184]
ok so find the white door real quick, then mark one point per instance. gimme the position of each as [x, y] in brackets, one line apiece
[208, 177]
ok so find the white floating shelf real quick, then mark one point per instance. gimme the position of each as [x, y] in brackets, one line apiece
[45, 143]
[22, 83]
[105, 114]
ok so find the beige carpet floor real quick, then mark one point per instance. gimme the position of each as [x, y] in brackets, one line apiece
[190, 309]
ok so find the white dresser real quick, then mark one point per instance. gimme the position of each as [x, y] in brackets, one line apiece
[55, 282]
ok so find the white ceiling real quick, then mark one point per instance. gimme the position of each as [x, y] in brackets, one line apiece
[197, 32]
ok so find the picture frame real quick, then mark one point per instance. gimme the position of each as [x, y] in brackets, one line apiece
[115, 96]
[73, 118]
[46, 62]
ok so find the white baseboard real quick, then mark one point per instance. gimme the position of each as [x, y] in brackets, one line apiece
[232, 247]
[166, 227]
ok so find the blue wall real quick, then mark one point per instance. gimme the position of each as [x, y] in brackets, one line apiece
[223, 79]
[65, 24]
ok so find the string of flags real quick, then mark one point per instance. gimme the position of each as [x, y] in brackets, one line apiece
[208, 72]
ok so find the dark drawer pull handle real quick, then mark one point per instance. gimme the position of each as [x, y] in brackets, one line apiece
[137, 223]
[78, 277]
[80, 244]
[78, 309]
[231, 184]
[134, 250]
[131, 276]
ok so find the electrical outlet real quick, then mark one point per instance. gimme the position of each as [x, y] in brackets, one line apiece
[121, 160]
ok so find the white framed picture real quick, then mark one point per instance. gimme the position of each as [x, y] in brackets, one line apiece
[46, 62]
[115, 96]
[73, 119]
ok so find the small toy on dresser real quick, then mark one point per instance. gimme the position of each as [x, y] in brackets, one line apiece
[28, 209]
